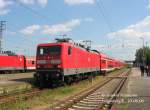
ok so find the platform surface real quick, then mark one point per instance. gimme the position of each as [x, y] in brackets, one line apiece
[138, 87]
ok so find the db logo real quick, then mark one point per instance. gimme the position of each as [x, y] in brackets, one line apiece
[20, 59]
[89, 59]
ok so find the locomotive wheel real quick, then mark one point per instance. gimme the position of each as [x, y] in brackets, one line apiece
[68, 80]
[36, 81]
[42, 82]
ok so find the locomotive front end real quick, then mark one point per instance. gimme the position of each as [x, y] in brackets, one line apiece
[48, 64]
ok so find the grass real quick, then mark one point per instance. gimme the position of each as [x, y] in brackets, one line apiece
[51, 96]
[14, 88]
[15, 75]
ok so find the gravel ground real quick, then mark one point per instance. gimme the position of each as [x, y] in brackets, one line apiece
[15, 82]
[7, 77]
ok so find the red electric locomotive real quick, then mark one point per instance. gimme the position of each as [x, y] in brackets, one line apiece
[63, 61]
[9, 63]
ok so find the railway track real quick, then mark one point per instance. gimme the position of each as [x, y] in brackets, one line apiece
[34, 92]
[96, 98]
[24, 95]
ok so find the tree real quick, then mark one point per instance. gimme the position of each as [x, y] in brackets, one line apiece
[143, 56]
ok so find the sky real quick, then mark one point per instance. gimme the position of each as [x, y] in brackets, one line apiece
[115, 27]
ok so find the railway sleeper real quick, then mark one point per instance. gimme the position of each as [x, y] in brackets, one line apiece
[97, 93]
[82, 108]
[94, 96]
[87, 105]
[94, 100]
[89, 102]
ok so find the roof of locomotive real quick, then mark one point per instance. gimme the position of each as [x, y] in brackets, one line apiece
[65, 41]
[104, 55]
[78, 45]
[50, 44]
[6, 55]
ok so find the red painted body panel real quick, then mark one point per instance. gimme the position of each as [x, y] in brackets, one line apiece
[103, 62]
[79, 58]
[11, 62]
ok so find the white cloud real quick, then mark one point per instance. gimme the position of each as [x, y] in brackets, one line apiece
[4, 6]
[42, 3]
[61, 28]
[11, 33]
[30, 29]
[89, 19]
[148, 4]
[129, 38]
[118, 51]
[77, 2]
[132, 32]
[28, 1]
[52, 30]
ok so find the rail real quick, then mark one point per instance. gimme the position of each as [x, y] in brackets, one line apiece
[91, 99]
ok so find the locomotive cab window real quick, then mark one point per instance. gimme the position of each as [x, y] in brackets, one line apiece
[51, 50]
[40, 51]
[69, 50]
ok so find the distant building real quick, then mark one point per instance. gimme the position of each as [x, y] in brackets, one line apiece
[130, 62]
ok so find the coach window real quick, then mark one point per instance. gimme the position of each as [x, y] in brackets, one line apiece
[103, 61]
[69, 50]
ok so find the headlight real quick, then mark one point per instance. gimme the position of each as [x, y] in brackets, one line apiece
[41, 61]
[55, 61]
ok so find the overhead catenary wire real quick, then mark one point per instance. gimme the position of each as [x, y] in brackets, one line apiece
[100, 6]
[35, 12]
[28, 45]
[43, 17]
[13, 44]
[102, 12]
[22, 36]
[25, 37]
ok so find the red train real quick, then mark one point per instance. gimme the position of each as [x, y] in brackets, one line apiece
[9, 63]
[63, 61]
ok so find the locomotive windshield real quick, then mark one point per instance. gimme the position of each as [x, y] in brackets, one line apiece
[51, 50]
